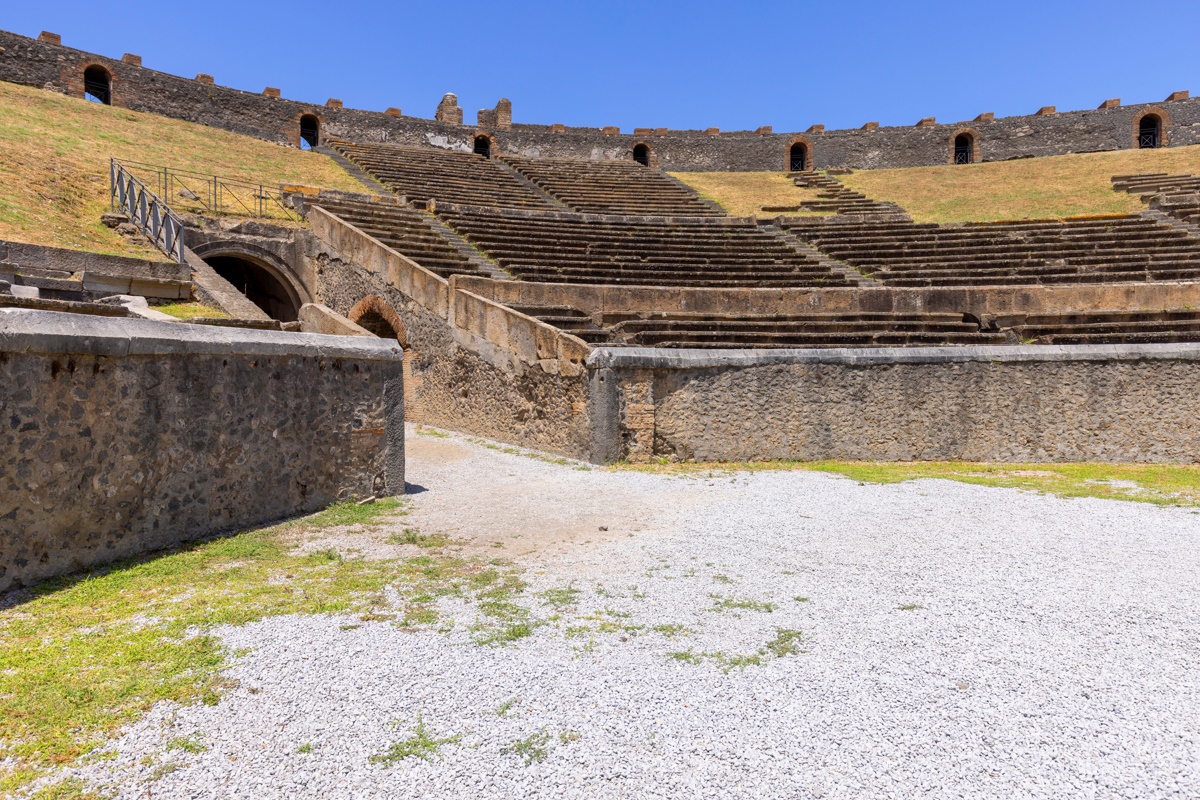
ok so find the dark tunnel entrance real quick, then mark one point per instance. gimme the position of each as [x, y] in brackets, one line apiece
[258, 284]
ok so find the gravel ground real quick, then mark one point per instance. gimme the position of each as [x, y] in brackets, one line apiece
[955, 641]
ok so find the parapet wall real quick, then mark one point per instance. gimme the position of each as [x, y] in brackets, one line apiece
[124, 436]
[268, 116]
[1128, 403]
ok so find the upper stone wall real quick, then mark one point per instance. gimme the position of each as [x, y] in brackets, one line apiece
[46, 63]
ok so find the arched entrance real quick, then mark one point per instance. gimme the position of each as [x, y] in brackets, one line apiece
[97, 85]
[641, 154]
[964, 149]
[310, 131]
[376, 315]
[1150, 131]
[260, 285]
[483, 146]
[798, 157]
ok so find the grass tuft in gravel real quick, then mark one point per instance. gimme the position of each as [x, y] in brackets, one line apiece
[304, 749]
[532, 748]
[721, 603]
[419, 745]
[1160, 484]
[188, 744]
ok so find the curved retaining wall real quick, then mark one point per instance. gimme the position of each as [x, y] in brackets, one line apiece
[124, 436]
[1129, 403]
[267, 116]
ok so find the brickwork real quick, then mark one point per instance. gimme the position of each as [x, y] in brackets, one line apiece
[1046, 132]
[1164, 125]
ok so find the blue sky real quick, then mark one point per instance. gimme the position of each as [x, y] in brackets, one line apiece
[678, 65]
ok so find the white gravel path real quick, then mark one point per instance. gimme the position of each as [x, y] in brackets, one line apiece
[1053, 652]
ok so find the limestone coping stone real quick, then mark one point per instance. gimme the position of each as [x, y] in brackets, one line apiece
[60, 333]
[694, 358]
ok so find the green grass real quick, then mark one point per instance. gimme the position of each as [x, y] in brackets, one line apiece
[188, 744]
[54, 174]
[419, 745]
[1161, 484]
[187, 311]
[505, 707]
[786, 643]
[532, 748]
[82, 655]
[304, 749]
[721, 603]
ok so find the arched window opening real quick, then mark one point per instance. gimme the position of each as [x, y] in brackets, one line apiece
[1150, 131]
[962, 149]
[641, 154]
[798, 157]
[258, 284]
[483, 147]
[376, 324]
[310, 132]
[97, 85]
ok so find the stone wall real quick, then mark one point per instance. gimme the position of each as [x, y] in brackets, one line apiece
[476, 366]
[1007, 404]
[124, 436]
[267, 116]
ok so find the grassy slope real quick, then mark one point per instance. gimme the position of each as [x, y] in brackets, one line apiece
[1057, 186]
[54, 170]
[743, 194]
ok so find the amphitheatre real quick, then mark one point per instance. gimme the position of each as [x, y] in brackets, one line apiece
[355, 453]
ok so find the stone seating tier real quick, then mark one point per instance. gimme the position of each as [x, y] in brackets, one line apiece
[404, 230]
[638, 251]
[446, 176]
[1076, 250]
[611, 187]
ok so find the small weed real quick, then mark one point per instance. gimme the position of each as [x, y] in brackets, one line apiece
[560, 597]
[414, 536]
[568, 736]
[188, 744]
[503, 709]
[351, 513]
[305, 748]
[672, 630]
[686, 656]
[730, 604]
[722, 579]
[69, 789]
[532, 748]
[423, 431]
[162, 770]
[419, 745]
[785, 643]
[799, 599]
[910, 607]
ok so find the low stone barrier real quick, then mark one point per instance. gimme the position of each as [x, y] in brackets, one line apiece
[123, 436]
[1112, 403]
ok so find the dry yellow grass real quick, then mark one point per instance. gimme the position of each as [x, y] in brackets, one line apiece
[1057, 186]
[54, 173]
[743, 194]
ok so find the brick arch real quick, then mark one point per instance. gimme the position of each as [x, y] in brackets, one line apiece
[651, 156]
[492, 145]
[292, 132]
[809, 158]
[1164, 125]
[72, 79]
[373, 305]
[973, 134]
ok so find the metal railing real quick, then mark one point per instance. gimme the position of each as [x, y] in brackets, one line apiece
[212, 194]
[151, 215]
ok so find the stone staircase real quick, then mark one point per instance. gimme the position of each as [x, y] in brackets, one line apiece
[835, 198]
[409, 232]
[426, 174]
[1177, 196]
[612, 187]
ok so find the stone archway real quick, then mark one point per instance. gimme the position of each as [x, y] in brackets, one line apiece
[258, 274]
[377, 315]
